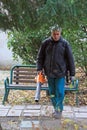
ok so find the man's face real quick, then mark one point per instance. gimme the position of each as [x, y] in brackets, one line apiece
[56, 35]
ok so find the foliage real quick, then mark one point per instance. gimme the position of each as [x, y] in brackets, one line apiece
[29, 22]
[25, 44]
[78, 41]
[19, 14]
[35, 13]
[80, 49]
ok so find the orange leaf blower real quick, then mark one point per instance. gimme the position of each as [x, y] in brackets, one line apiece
[40, 78]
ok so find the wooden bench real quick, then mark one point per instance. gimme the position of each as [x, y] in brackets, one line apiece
[22, 77]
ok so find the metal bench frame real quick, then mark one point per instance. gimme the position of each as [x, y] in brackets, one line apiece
[22, 78]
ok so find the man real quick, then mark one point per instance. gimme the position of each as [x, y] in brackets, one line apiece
[54, 56]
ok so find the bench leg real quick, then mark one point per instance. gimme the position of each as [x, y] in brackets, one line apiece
[47, 93]
[77, 100]
[4, 99]
[5, 96]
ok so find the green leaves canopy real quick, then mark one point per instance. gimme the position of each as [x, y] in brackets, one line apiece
[35, 13]
[29, 22]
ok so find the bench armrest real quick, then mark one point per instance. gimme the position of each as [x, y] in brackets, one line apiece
[76, 83]
[72, 85]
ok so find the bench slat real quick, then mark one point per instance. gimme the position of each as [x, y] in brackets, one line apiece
[25, 69]
[24, 80]
[24, 77]
[24, 73]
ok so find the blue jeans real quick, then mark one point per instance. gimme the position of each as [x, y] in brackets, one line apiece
[56, 91]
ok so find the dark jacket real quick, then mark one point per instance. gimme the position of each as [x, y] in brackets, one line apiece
[54, 57]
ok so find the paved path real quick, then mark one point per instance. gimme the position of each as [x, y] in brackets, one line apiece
[41, 110]
[39, 117]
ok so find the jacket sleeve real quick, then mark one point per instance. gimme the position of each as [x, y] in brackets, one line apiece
[70, 60]
[41, 57]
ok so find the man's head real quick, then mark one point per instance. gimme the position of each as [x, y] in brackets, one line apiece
[55, 32]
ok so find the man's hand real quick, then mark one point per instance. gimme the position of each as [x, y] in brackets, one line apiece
[40, 71]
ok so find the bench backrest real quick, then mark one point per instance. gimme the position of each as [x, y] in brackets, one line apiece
[23, 74]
